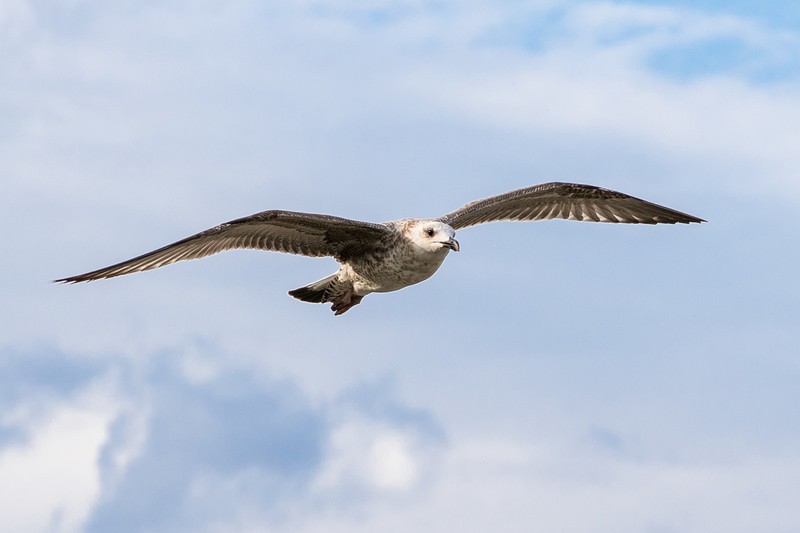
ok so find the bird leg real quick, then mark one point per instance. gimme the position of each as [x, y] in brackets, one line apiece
[345, 302]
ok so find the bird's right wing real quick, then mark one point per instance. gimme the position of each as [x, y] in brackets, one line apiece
[278, 231]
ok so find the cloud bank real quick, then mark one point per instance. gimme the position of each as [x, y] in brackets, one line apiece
[563, 376]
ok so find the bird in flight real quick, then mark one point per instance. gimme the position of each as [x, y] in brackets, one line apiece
[393, 255]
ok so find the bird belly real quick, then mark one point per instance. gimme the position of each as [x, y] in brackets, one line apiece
[393, 273]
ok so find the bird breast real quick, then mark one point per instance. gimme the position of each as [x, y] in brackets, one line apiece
[400, 266]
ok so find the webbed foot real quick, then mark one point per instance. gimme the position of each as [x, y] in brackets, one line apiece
[345, 302]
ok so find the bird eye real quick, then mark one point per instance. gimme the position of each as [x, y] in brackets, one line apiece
[429, 232]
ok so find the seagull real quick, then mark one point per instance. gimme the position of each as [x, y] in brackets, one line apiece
[392, 255]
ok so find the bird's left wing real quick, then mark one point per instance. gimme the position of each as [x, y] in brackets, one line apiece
[568, 201]
[279, 231]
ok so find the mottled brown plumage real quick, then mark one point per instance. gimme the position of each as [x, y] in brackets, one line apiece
[392, 255]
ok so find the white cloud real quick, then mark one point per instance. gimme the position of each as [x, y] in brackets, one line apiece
[606, 494]
[508, 486]
[51, 480]
[374, 456]
[391, 462]
[592, 81]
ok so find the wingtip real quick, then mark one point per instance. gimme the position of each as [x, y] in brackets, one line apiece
[682, 218]
[72, 280]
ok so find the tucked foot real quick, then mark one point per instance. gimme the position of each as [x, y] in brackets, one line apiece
[345, 302]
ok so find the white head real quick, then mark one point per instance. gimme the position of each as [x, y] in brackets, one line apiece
[432, 235]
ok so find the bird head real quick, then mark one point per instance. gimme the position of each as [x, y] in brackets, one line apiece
[432, 235]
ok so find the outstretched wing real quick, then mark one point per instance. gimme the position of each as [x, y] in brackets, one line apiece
[569, 201]
[277, 231]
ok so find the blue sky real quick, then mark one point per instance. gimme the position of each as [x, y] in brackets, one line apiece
[553, 376]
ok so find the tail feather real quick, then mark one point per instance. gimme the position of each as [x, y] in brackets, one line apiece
[317, 292]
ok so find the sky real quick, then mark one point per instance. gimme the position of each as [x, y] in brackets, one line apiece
[556, 376]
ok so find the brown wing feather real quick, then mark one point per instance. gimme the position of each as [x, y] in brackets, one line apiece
[278, 231]
[568, 201]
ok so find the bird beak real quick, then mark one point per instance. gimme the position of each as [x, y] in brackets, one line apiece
[452, 244]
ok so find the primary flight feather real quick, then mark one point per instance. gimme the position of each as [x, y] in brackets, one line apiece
[392, 255]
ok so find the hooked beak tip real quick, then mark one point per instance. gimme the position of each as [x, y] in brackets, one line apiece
[453, 245]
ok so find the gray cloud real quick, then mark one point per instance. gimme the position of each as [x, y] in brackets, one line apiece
[199, 437]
